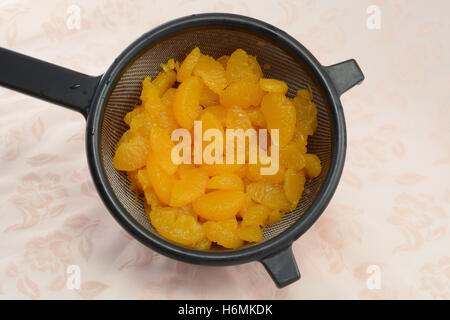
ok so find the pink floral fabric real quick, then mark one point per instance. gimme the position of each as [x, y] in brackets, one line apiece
[391, 209]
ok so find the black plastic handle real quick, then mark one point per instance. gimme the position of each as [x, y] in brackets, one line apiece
[282, 267]
[47, 81]
[345, 75]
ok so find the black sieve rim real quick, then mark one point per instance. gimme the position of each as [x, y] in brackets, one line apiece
[226, 257]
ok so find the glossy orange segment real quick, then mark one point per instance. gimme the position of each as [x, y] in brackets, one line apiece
[306, 112]
[186, 104]
[191, 185]
[274, 217]
[172, 224]
[166, 118]
[218, 169]
[270, 195]
[219, 205]
[143, 181]
[129, 116]
[131, 155]
[226, 181]
[254, 174]
[313, 165]
[255, 66]
[203, 244]
[224, 233]
[237, 118]
[293, 185]
[210, 121]
[219, 112]
[162, 146]
[242, 93]
[142, 123]
[164, 81]
[208, 97]
[188, 65]
[256, 117]
[280, 114]
[150, 97]
[273, 85]
[250, 233]
[162, 182]
[239, 68]
[256, 215]
[292, 156]
[211, 72]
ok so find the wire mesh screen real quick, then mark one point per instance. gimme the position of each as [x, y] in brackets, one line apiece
[214, 41]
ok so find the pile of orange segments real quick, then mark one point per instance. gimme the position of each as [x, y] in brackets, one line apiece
[200, 205]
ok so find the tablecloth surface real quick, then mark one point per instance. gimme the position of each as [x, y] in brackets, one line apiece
[385, 233]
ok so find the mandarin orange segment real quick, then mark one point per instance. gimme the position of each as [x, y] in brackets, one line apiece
[313, 166]
[172, 224]
[161, 181]
[143, 180]
[164, 81]
[238, 68]
[186, 107]
[126, 137]
[182, 169]
[294, 185]
[242, 93]
[129, 116]
[150, 97]
[211, 72]
[274, 217]
[219, 112]
[237, 118]
[218, 169]
[142, 123]
[256, 117]
[226, 181]
[224, 233]
[248, 203]
[270, 195]
[151, 198]
[219, 205]
[306, 112]
[280, 114]
[250, 233]
[190, 186]
[131, 155]
[254, 174]
[256, 215]
[162, 147]
[208, 97]
[202, 244]
[210, 121]
[292, 156]
[255, 67]
[188, 65]
[273, 85]
[301, 141]
[166, 118]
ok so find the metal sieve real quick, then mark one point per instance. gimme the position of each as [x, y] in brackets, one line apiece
[104, 101]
